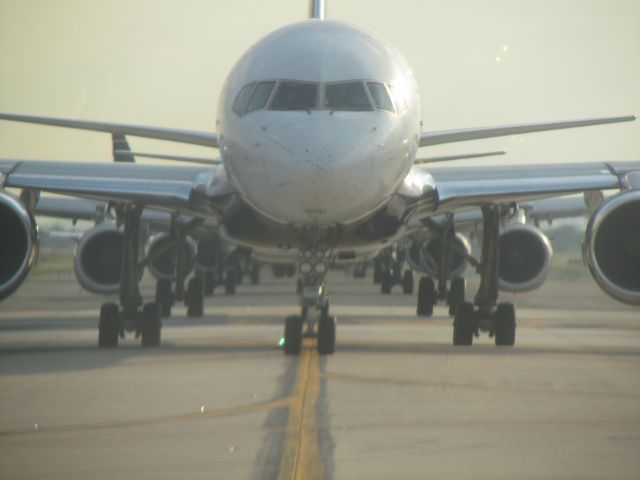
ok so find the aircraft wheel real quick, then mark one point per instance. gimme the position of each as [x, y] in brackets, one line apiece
[209, 283]
[463, 324]
[456, 294]
[109, 326]
[326, 334]
[195, 297]
[407, 282]
[426, 297]
[164, 297]
[255, 274]
[505, 325]
[387, 282]
[230, 283]
[293, 335]
[151, 325]
[377, 273]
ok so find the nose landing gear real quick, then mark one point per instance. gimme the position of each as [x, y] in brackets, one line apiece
[314, 320]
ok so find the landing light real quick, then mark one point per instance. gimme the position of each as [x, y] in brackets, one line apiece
[281, 342]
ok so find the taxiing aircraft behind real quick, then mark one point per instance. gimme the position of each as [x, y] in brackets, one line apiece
[318, 128]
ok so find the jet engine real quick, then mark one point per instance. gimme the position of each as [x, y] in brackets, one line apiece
[525, 258]
[424, 256]
[612, 247]
[98, 257]
[19, 243]
[161, 265]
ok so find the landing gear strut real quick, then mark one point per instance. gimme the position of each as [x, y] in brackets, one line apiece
[428, 292]
[132, 316]
[498, 320]
[314, 302]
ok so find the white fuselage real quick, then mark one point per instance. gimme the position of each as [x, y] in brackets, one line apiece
[319, 165]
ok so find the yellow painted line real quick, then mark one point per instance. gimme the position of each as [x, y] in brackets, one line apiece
[301, 458]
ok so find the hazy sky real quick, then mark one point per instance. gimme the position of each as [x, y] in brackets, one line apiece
[161, 62]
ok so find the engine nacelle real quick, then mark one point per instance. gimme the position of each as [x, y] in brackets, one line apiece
[424, 257]
[161, 267]
[612, 247]
[18, 245]
[525, 258]
[98, 257]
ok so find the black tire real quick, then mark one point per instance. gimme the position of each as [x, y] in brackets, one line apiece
[151, 325]
[255, 274]
[299, 286]
[456, 294]
[292, 335]
[209, 283]
[109, 326]
[426, 297]
[505, 325]
[230, 283]
[377, 273]
[164, 297]
[407, 282]
[387, 282]
[463, 324]
[326, 335]
[195, 297]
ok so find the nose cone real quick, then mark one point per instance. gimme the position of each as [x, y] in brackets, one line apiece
[317, 170]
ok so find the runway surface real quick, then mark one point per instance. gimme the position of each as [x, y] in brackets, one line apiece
[219, 399]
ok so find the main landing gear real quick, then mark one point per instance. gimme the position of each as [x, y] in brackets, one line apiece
[485, 316]
[429, 295]
[388, 271]
[131, 315]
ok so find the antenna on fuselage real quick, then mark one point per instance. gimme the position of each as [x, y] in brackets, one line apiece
[316, 9]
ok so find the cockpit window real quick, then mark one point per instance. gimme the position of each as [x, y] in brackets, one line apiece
[380, 96]
[260, 96]
[346, 96]
[295, 96]
[240, 103]
[354, 95]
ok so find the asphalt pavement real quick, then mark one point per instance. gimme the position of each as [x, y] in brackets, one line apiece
[218, 399]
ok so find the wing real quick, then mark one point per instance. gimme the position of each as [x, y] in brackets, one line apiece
[206, 139]
[450, 158]
[432, 190]
[451, 136]
[188, 190]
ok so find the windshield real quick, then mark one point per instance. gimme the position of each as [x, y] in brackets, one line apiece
[260, 96]
[380, 96]
[295, 96]
[346, 96]
[354, 96]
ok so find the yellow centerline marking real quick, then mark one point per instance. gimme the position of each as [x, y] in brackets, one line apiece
[301, 458]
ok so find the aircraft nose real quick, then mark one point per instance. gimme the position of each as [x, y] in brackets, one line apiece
[317, 168]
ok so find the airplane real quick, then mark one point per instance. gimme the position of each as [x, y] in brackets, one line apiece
[318, 127]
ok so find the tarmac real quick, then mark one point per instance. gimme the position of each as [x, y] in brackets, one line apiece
[219, 399]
